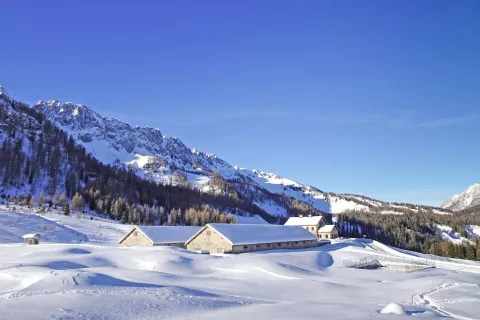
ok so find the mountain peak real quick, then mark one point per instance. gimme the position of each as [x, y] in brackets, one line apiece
[3, 92]
[469, 198]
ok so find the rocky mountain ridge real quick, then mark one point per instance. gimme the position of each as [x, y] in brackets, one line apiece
[167, 160]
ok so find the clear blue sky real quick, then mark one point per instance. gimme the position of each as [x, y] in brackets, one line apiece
[380, 98]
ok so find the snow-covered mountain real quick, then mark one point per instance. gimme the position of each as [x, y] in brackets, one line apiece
[467, 199]
[167, 160]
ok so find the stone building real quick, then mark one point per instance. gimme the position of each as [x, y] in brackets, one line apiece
[239, 238]
[158, 236]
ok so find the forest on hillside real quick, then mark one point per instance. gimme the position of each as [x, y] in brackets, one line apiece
[414, 231]
[40, 159]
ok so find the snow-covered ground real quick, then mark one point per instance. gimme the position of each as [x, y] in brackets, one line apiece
[13, 225]
[446, 233]
[255, 219]
[101, 280]
[473, 230]
[391, 212]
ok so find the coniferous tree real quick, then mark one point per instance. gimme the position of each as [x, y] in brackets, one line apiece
[66, 209]
[470, 252]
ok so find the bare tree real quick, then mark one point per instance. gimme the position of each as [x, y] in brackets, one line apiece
[41, 200]
[77, 202]
[63, 200]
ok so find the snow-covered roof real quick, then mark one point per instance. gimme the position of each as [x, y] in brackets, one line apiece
[165, 234]
[31, 235]
[303, 221]
[259, 233]
[327, 228]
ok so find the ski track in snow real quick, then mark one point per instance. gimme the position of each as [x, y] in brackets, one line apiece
[424, 298]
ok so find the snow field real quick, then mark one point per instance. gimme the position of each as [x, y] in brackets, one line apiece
[101, 280]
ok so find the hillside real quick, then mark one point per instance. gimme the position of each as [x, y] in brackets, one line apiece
[42, 164]
[15, 224]
[167, 160]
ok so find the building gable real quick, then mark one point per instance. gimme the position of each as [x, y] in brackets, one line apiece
[136, 238]
[209, 239]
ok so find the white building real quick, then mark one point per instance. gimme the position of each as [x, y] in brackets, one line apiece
[329, 231]
[310, 223]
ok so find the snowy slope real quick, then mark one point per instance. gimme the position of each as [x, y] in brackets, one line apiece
[473, 231]
[74, 281]
[106, 281]
[13, 225]
[446, 233]
[468, 198]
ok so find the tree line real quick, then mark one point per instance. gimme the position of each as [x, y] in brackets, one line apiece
[414, 231]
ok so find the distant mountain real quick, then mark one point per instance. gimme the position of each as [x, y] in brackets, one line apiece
[467, 199]
[167, 160]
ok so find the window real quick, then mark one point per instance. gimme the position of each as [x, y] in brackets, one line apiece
[257, 246]
[326, 236]
[245, 247]
[135, 233]
[279, 244]
[303, 242]
[268, 245]
[209, 233]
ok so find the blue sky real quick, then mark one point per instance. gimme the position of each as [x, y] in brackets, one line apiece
[380, 98]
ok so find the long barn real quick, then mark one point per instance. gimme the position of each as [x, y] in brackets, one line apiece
[158, 236]
[239, 238]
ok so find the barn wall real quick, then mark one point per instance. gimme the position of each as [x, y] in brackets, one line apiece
[209, 240]
[277, 245]
[173, 244]
[136, 238]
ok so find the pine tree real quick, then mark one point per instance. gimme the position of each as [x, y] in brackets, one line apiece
[470, 252]
[477, 246]
[66, 209]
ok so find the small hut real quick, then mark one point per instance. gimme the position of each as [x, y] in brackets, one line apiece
[31, 238]
[329, 231]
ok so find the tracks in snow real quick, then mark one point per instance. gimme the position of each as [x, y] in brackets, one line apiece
[424, 298]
